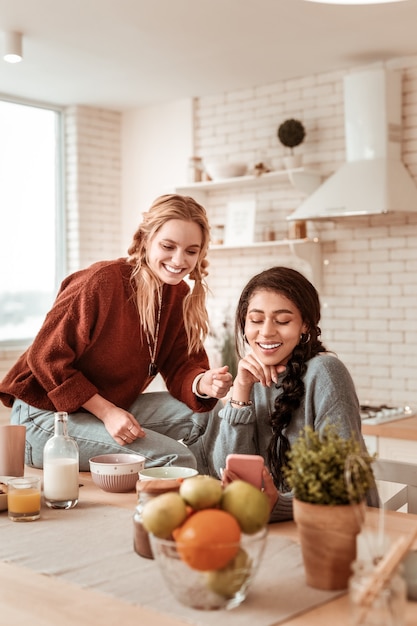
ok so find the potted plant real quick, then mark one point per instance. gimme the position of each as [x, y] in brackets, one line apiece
[329, 477]
[291, 133]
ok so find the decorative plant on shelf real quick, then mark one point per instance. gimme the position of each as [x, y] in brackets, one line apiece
[330, 477]
[291, 133]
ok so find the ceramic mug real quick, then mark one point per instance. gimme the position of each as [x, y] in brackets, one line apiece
[12, 449]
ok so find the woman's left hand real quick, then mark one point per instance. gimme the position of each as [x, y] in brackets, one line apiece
[269, 488]
[271, 492]
[215, 383]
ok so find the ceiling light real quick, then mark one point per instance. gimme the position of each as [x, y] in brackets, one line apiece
[12, 47]
[354, 1]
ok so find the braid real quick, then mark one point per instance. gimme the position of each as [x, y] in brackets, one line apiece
[285, 404]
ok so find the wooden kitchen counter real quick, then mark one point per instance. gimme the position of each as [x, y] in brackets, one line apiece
[399, 429]
[28, 597]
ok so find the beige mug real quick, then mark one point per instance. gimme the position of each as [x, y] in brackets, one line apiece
[12, 449]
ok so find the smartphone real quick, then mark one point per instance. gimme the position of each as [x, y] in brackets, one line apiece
[247, 466]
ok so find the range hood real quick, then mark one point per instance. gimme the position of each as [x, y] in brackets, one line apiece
[373, 180]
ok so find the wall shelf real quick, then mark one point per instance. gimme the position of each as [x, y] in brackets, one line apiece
[305, 252]
[300, 178]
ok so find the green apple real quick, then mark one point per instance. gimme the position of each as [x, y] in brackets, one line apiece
[201, 491]
[247, 504]
[163, 514]
[227, 581]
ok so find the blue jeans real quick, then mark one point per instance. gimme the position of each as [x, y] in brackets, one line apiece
[164, 419]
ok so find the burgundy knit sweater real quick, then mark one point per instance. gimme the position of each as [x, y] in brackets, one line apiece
[92, 342]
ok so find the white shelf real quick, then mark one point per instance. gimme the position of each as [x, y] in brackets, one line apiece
[303, 180]
[289, 243]
[308, 250]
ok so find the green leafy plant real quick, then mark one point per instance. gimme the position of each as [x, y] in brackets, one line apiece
[223, 339]
[228, 352]
[291, 133]
[327, 469]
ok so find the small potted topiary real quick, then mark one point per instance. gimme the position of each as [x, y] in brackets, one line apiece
[329, 477]
[291, 133]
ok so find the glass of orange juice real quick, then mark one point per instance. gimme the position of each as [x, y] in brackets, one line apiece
[24, 498]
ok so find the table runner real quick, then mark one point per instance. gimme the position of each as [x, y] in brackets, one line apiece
[92, 546]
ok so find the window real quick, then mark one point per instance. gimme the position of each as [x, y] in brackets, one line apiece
[31, 218]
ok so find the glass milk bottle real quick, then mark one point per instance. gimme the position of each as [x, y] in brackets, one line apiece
[60, 467]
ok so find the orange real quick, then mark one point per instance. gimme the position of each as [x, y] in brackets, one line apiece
[208, 539]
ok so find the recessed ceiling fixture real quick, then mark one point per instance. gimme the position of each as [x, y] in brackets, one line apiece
[12, 47]
[355, 1]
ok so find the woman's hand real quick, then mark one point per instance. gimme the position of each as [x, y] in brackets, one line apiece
[215, 383]
[251, 371]
[120, 424]
[269, 488]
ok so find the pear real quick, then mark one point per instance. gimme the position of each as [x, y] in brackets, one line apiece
[164, 513]
[227, 581]
[247, 504]
[201, 491]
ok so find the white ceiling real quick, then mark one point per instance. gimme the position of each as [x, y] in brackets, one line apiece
[123, 54]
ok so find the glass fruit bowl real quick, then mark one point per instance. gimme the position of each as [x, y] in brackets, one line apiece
[223, 588]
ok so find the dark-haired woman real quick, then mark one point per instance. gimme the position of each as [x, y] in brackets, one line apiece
[286, 379]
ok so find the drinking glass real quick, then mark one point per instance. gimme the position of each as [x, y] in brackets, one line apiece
[24, 498]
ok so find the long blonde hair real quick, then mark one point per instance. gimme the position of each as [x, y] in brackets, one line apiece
[149, 288]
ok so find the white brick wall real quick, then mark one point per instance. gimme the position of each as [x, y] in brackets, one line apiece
[369, 288]
[93, 179]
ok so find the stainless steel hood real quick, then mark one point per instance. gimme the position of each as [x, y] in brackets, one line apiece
[373, 180]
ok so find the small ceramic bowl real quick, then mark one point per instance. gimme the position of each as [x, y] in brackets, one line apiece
[117, 473]
[210, 590]
[221, 171]
[166, 473]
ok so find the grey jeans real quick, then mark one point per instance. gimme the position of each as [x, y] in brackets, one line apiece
[166, 422]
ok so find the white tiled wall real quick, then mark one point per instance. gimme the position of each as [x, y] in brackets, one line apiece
[369, 285]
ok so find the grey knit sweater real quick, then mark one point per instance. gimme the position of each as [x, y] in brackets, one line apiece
[330, 397]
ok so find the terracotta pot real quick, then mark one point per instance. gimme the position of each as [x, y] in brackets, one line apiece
[328, 541]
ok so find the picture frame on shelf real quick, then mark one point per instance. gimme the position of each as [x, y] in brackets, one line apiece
[240, 223]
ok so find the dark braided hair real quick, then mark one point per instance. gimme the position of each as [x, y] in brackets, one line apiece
[294, 286]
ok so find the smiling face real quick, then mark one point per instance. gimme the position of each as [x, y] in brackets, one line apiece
[173, 252]
[273, 327]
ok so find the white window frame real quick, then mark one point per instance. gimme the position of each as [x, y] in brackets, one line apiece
[60, 220]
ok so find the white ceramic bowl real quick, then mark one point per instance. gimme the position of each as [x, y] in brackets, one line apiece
[166, 473]
[221, 171]
[117, 473]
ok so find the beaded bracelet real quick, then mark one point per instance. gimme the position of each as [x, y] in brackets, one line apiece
[240, 403]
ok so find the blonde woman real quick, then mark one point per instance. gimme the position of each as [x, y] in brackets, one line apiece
[112, 328]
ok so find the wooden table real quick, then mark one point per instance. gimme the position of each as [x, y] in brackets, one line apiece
[397, 429]
[27, 597]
